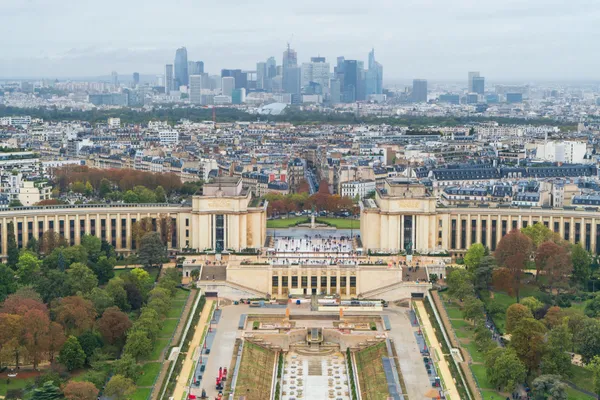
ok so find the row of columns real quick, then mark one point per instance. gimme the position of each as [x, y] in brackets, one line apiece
[519, 220]
[338, 274]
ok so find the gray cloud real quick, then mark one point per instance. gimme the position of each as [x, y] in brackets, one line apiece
[434, 39]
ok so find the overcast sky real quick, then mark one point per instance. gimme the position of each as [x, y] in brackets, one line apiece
[432, 39]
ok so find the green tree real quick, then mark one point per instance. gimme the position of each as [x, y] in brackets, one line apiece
[12, 251]
[93, 247]
[144, 194]
[539, 233]
[528, 340]
[119, 387]
[160, 194]
[89, 341]
[515, 313]
[594, 367]
[152, 250]
[482, 275]
[474, 256]
[504, 369]
[70, 255]
[28, 267]
[48, 391]
[549, 387]
[72, 355]
[556, 360]
[104, 269]
[588, 339]
[473, 309]
[81, 279]
[52, 284]
[592, 309]
[130, 197]
[33, 245]
[105, 188]
[116, 289]
[101, 299]
[128, 367]
[7, 282]
[582, 261]
[460, 283]
[532, 303]
[138, 344]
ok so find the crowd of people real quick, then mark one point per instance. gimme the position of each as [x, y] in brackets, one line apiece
[314, 244]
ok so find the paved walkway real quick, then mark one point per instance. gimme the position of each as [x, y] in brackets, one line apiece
[436, 348]
[189, 362]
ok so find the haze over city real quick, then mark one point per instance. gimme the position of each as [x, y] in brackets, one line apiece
[511, 40]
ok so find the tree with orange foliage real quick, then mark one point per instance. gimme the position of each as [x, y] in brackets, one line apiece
[36, 327]
[75, 314]
[113, 325]
[555, 262]
[80, 391]
[512, 254]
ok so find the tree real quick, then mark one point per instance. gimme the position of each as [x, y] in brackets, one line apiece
[539, 233]
[130, 197]
[515, 313]
[473, 309]
[80, 391]
[7, 282]
[105, 188]
[512, 253]
[33, 245]
[138, 344]
[527, 338]
[555, 261]
[69, 255]
[28, 267]
[581, 261]
[574, 319]
[556, 360]
[152, 250]
[554, 317]
[160, 194]
[135, 299]
[532, 303]
[101, 300]
[119, 387]
[22, 301]
[93, 246]
[504, 369]
[52, 284]
[592, 309]
[482, 275]
[116, 289]
[128, 367]
[50, 241]
[588, 339]
[56, 339]
[12, 251]
[48, 391]
[140, 228]
[10, 335]
[149, 322]
[104, 269]
[72, 355]
[89, 341]
[75, 314]
[460, 283]
[594, 367]
[549, 386]
[474, 256]
[113, 325]
[36, 326]
[81, 279]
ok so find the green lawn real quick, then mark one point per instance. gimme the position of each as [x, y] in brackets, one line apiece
[340, 223]
[490, 395]
[176, 309]
[582, 378]
[459, 323]
[479, 372]
[573, 394]
[158, 348]
[181, 294]
[14, 384]
[152, 271]
[169, 326]
[141, 394]
[454, 312]
[149, 373]
[286, 222]
[476, 355]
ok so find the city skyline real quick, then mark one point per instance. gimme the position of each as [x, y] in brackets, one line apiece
[432, 41]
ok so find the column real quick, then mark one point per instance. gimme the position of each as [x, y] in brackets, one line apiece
[319, 280]
[413, 233]
[328, 282]
[128, 230]
[401, 232]
[593, 236]
[279, 289]
[478, 229]
[36, 231]
[4, 236]
[458, 232]
[337, 281]
[347, 283]
[489, 231]
[572, 229]
[108, 229]
[25, 232]
[468, 233]
[119, 229]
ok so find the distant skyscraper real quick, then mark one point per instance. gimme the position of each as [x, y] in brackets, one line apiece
[478, 84]
[227, 85]
[351, 81]
[261, 74]
[181, 68]
[114, 77]
[169, 82]
[241, 78]
[200, 67]
[195, 89]
[334, 91]
[472, 74]
[271, 67]
[419, 91]
[291, 72]
[316, 71]
[374, 76]
[136, 78]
